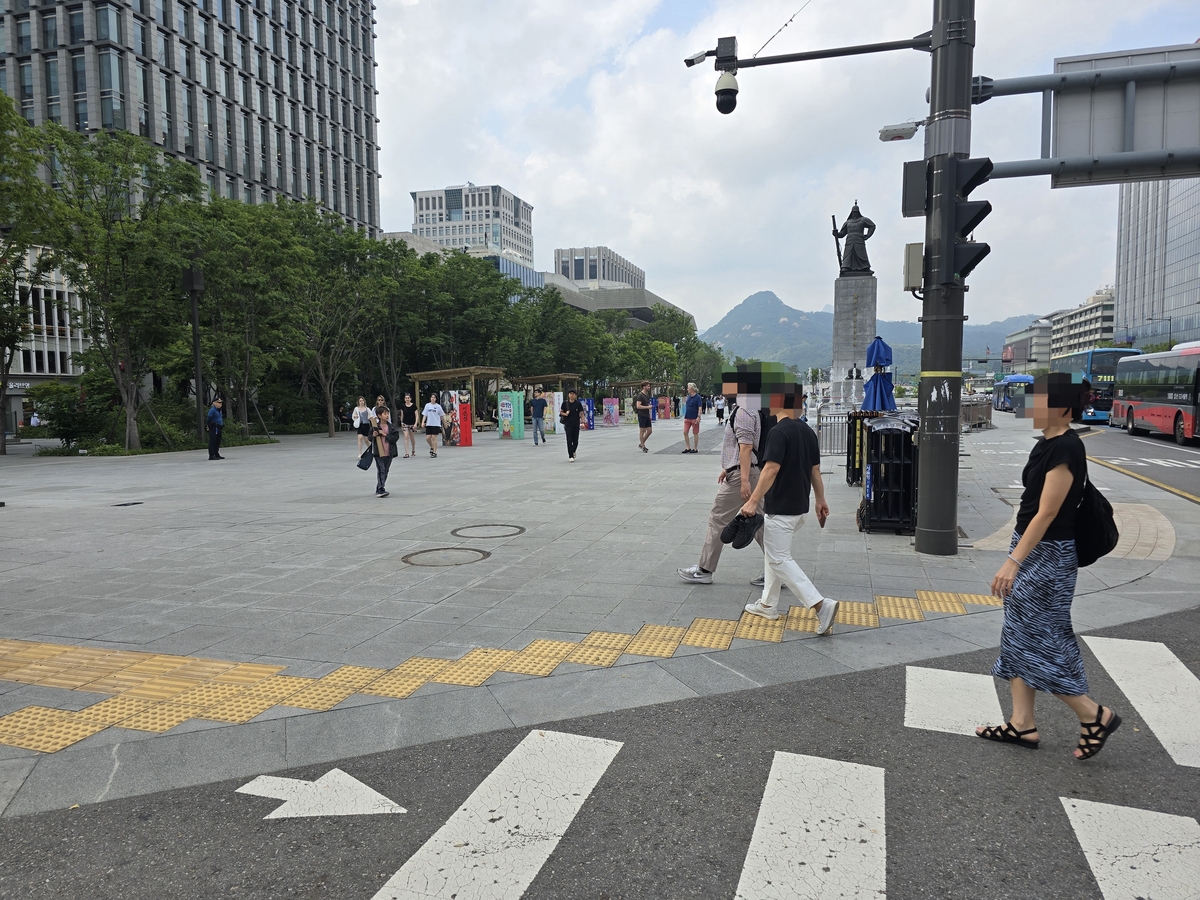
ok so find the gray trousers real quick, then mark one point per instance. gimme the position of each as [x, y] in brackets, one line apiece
[725, 506]
[539, 427]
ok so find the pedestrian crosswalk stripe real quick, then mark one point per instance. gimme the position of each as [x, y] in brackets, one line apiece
[1165, 694]
[953, 702]
[494, 845]
[819, 833]
[1135, 852]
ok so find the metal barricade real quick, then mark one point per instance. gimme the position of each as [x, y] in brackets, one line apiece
[975, 412]
[831, 430]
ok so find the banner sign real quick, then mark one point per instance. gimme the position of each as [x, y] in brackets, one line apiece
[556, 400]
[466, 428]
[612, 412]
[630, 411]
[591, 413]
[511, 415]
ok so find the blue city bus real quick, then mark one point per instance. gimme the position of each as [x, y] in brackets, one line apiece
[1099, 367]
[1004, 390]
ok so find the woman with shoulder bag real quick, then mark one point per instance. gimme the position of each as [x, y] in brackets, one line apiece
[384, 437]
[361, 419]
[1038, 648]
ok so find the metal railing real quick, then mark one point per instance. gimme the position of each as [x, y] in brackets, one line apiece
[831, 430]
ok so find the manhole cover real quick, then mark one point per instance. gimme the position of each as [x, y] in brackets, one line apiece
[488, 531]
[445, 556]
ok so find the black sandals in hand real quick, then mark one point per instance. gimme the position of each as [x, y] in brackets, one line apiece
[1094, 734]
[1006, 734]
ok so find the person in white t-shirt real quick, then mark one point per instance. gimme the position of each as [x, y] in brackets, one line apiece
[431, 419]
[719, 406]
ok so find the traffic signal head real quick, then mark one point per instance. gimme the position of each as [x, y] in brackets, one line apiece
[957, 257]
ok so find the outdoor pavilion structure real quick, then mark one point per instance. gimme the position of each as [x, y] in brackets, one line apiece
[566, 381]
[458, 379]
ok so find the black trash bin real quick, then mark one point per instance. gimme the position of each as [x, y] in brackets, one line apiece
[856, 442]
[889, 478]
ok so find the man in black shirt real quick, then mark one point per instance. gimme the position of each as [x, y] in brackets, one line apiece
[791, 469]
[641, 404]
[537, 411]
[570, 416]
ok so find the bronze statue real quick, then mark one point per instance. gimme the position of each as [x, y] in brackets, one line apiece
[856, 230]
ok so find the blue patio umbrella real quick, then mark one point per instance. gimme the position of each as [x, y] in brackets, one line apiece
[877, 392]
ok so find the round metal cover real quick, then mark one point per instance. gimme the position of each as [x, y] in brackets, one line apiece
[488, 531]
[440, 557]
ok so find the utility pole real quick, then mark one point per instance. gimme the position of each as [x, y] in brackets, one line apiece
[947, 140]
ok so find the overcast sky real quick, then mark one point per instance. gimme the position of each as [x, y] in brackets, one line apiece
[586, 110]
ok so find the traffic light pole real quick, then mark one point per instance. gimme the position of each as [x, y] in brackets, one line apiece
[947, 139]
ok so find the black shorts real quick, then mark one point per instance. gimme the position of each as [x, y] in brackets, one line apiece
[433, 429]
[365, 429]
[644, 421]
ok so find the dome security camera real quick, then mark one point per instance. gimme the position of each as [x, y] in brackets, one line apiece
[727, 90]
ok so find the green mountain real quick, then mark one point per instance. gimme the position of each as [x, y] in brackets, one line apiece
[764, 327]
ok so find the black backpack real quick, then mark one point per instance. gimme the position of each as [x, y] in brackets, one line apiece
[766, 423]
[1096, 531]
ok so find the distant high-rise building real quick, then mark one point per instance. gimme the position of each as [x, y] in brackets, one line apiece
[597, 267]
[265, 97]
[483, 220]
[1158, 262]
[1082, 328]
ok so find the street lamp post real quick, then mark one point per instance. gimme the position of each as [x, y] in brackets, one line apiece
[193, 283]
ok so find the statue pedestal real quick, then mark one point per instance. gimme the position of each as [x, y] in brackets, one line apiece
[854, 301]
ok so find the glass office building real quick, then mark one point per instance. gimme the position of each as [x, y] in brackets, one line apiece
[1158, 262]
[265, 97]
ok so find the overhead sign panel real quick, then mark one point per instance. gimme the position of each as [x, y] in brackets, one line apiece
[1148, 116]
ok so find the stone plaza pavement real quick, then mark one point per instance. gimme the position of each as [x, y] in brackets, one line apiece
[169, 621]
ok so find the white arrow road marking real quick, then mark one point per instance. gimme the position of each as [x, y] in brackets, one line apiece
[1136, 853]
[333, 794]
[1160, 687]
[819, 833]
[954, 702]
[499, 839]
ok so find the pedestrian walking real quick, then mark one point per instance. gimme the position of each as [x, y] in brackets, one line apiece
[537, 410]
[791, 470]
[360, 418]
[408, 425]
[675, 406]
[214, 422]
[384, 436]
[719, 406]
[735, 483]
[379, 401]
[691, 420]
[1038, 648]
[571, 417]
[34, 420]
[641, 404]
[431, 421]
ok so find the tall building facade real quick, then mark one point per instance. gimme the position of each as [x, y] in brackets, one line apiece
[264, 97]
[597, 267]
[1158, 262]
[1082, 328]
[483, 220]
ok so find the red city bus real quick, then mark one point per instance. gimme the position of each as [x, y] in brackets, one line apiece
[1157, 392]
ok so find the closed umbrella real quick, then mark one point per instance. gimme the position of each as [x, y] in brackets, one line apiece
[877, 392]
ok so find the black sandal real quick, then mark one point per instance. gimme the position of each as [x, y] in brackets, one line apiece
[1006, 734]
[1094, 735]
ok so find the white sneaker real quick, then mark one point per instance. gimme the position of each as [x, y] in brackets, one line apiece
[757, 609]
[695, 576]
[759, 580]
[825, 616]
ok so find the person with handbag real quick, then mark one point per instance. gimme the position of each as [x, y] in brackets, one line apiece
[361, 419]
[1038, 648]
[384, 437]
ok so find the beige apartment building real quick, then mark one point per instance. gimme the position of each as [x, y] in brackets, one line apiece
[1085, 326]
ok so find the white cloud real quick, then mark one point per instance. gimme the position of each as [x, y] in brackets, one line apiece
[587, 112]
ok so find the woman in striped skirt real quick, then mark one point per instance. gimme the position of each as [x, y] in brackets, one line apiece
[1038, 649]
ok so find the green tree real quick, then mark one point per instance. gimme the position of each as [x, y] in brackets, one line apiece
[408, 282]
[1159, 347]
[24, 210]
[124, 218]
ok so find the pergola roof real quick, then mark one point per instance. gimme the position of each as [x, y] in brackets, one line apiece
[446, 374]
[543, 379]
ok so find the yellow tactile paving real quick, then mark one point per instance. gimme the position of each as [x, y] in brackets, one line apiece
[981, 599]
[941, 601]
[656, 640]
[899, 608]
[475, 668]
[157, 692]
[714, 634]
[850, 612]
[756, 628]
[801, 618]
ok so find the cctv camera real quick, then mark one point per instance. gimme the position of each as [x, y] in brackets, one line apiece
[898, 132]
[727, 89]
[696, 58]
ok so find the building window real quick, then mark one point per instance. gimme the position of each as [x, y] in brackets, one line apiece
[183, 22]
[108, 24]
[79, 87]
[75, 21]
[167, 87]
[142, 80]
[49, 31]
[112, 90]
[24, 35]
[209, 126]
[163, 56]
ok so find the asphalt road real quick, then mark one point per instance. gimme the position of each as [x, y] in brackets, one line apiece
[1153, 456]
[672, 815]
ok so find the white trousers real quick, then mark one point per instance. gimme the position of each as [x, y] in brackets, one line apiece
[781, 569]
